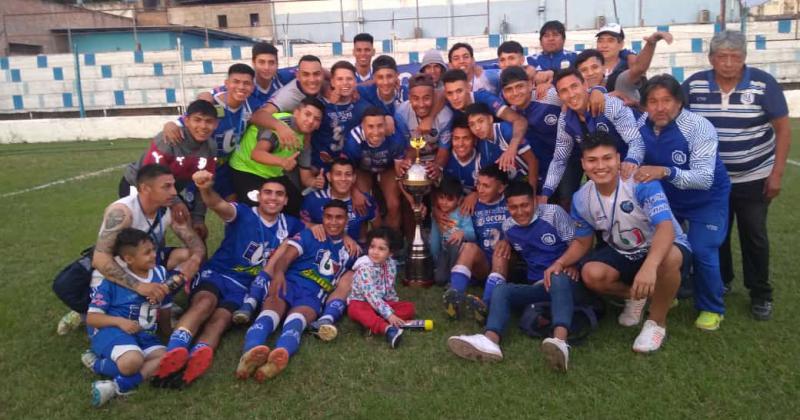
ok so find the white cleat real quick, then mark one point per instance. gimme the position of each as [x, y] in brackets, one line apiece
[650, 339]
[556, 352]
[68, 323]
[88, 358]
[476, 347]
[632, 314]
[103, 392]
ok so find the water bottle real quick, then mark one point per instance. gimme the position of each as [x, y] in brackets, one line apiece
[175, 281]
[419, 324]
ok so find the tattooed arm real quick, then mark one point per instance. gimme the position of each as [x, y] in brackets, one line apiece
[116, 218]
[197, 250]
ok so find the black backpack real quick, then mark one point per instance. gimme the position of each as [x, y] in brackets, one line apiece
[536, 320]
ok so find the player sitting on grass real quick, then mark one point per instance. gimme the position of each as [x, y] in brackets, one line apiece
[251, 236]
[646, 248]
[298, 282]
[540, 235]
[125, 346]
[373, 301]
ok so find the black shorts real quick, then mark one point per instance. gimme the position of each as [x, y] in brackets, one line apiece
[627, 267]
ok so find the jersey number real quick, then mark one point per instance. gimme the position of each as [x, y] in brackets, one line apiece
[147, 316]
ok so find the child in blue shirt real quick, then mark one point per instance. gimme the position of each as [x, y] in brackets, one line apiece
[445, 245]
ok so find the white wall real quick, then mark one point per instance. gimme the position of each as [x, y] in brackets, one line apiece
[71, 129]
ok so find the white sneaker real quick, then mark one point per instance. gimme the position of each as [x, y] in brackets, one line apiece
[88, 358]
[632, 314]
[476, 347]
[68, 323]
[650, 339]
[556, 352]
[103, 392]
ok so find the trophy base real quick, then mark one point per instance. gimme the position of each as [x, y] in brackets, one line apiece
[418, 283]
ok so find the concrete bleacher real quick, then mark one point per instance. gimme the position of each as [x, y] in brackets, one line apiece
[153, 79]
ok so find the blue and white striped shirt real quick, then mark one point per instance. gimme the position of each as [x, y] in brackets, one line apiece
[743, 119]
[617, 120]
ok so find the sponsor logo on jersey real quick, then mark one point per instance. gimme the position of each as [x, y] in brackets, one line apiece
[551, 119]
[626, 206]
[548, 239]
[602, 127]
[678, 157]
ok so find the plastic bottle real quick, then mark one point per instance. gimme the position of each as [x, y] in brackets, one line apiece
[419, 324]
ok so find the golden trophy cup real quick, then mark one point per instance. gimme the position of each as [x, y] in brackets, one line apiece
[419, 265]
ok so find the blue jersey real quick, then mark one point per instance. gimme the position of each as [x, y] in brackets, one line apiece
[327, 142]
[406, 122]
[488, 223]
[322, 263]
[370, 94]
[627, 219]
[489, 81]
[542, 116]
[231, 126]
[552, 61]
[466, 172]
[311, 211]
[492, 149]
[542, 240]
[494, 102]
[361, 79]
[616, 120]
[373, 159]
[114, 300]
[248, 243]
[260, 96]
[698, 180]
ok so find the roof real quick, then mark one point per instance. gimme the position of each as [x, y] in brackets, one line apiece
[194, 30]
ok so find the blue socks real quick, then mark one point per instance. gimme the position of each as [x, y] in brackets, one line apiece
[198, 346]
[105, 367]
[258, 290]
[128, 383]
[292, 330]
[262, 327]
[334, 310]
[459, 278]
[179, 338]
[492, 281]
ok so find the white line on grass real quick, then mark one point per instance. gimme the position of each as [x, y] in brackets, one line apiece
[793, 162]
[64, 181]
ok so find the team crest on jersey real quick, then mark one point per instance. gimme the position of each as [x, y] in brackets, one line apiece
[548, 239]
[626, 206]
[678, 157]
[602, 127]
[565, 64]
[551, 119]
[748, 98]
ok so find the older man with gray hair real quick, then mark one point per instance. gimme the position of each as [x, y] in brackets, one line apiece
[749, 111]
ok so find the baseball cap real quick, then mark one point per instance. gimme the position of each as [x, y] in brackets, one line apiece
[613, 29]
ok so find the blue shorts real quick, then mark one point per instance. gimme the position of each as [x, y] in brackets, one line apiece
[302, 292]
[230, 292]
[627, 267]
[112, 342]
[223, 181]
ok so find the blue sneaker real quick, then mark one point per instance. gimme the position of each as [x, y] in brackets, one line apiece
[393, 335]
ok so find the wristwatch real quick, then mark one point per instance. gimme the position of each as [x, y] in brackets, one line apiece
[667, 172]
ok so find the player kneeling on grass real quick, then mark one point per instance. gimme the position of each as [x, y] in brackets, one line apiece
[646, 248]
[252, 234]
[373, 300]
[299, 281]
[125, 346]
[540, 235]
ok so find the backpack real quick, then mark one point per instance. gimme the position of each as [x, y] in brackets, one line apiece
[536, 320]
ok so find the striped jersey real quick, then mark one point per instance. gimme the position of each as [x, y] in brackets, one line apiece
[742, 118]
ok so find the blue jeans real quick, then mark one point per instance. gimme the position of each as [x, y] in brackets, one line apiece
[509, 297]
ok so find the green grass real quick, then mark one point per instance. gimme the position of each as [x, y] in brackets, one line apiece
[747, 369]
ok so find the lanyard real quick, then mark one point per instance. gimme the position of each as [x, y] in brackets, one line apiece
[613, 205]
[156, 237]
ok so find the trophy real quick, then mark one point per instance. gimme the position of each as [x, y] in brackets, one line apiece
[419, 265]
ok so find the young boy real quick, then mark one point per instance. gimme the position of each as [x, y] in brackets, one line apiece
[373, 300]
[123, 323]
[445, 244]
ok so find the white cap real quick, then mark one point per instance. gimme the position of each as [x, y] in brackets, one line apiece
[612, 29]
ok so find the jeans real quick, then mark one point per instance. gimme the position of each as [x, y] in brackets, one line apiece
[444, 263]
[749, 207]
[509, 297]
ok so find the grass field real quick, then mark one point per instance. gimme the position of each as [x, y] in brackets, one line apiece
[747, 369]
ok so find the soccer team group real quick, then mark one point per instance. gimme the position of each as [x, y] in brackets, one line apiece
[303, 167]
